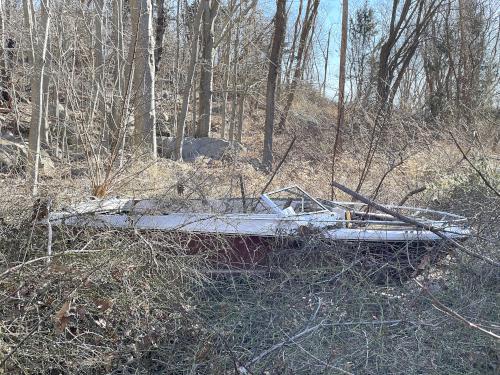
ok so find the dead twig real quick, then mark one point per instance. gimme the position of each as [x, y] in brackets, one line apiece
[485, 180]
[411, 194]
[256, 359]
[438, 305]
[47, 315]
[279, 165]
[51, 256]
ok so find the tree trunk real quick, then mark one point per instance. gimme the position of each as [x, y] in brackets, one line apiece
[340, 112]
[291, 54]
[191, 131]
[226, 63]
[234, 95]
[99, 58]
[99, 45]
[241, 115]
[115, 118]
[144, 76]
[39, 51]
[3, 66]
[176, 60]
[161, 24]
[211, 8]
[181, 120]
[309, 20]
[327, 55]
[272, 77]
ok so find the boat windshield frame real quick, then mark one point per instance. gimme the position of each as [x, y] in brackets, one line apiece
[271, 203]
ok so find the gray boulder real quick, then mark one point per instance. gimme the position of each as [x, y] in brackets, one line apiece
[192, 148]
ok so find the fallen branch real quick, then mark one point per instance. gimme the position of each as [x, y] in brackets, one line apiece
[438, 305]
[51, 256]
[243, 369]
[408, 220]
[279, 345]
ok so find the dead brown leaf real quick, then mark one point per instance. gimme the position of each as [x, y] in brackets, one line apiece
[61, 318]
[103, 304]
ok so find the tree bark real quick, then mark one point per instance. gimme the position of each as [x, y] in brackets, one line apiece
[226, 62]
[341, 100]
[241, 115]
[39, 51]
[272, 77]
[161, 24]
[3, 66]
[181, 120]
[234, 95]
[117, 105]
[144, 76]
[99, 58]
[211, 8]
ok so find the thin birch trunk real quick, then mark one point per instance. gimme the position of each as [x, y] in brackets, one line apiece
[176, 61]
[144, 77]
[115, 119]
[99, 59]
[39, 52]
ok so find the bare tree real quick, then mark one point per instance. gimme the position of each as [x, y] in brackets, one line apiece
[398, 49]
[142, 55]
[211, 8]
[362, 29]
[340, 105]
[161, 25]
[181, 120]
[326, 57]
[272, 77]
[291, 52]
[118, 88]
[39, 51]
[99, 54]
[3, 65]
[307, 27]
[226, 62]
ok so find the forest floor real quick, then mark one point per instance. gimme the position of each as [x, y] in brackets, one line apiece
[124, 306]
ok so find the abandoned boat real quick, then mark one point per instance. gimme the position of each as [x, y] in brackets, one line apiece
[247, 230]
